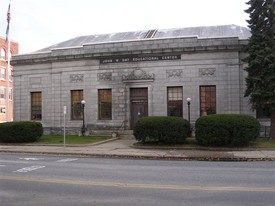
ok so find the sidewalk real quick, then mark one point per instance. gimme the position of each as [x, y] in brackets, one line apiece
[124, 148]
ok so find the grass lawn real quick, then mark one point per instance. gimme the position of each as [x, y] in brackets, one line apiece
[263, 143]
[190, 141]
[70, 139]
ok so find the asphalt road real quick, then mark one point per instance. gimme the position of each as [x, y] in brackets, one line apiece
[61, 180]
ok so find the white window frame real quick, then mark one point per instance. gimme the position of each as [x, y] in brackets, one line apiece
[3, 54]
[10, 75]
[10, 94]
[2, 92]
[2, 73]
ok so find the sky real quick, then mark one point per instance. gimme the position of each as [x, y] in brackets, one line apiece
[36, 24]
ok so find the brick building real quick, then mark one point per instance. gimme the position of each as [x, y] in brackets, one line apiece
[4, 76]
[125, 76]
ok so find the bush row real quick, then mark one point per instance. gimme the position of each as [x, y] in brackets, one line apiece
[20, 132]
[162, 129]
[211, 130]
[226, 130]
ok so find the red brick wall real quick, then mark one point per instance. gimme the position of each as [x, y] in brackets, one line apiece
[3, 83]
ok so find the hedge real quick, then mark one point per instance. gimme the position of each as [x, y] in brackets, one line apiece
[162, 129]
[226, 130]
[20, 132]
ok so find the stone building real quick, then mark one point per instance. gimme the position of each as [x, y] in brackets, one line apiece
[6, 80]
[125, 76]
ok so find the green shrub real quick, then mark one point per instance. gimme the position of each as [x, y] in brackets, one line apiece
[226, 130]
[162, 129]
[19, 132]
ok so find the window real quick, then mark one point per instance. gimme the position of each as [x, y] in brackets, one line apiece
[263, 111]
[3, 54]
[2, 92]
[3, 73]
[36, 106]
[76, 107]
[207, 100]
[105, 104]
[10, 75]
[174, 101]
[2, 110]
[10, 94]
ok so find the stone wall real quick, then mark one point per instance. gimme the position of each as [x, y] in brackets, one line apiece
[56, 73]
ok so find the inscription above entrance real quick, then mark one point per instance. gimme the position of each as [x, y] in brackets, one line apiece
[139, 59]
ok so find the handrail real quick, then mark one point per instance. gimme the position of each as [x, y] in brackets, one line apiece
[122, 125]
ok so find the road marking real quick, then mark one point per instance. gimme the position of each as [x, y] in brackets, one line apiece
[67, 160]
[31, 158]
[28, 169]
[2, 165]
[12, 161]
[141, 186]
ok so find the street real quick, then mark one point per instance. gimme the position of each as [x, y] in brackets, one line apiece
[65, 180]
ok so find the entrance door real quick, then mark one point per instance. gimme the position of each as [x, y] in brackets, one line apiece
[139, 104]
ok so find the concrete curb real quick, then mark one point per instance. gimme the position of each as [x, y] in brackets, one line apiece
[128, 149]
[221, 149]
[146, 157]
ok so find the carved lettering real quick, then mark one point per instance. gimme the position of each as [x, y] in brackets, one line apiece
[139, 59]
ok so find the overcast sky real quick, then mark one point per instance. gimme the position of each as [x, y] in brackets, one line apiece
[36, 24]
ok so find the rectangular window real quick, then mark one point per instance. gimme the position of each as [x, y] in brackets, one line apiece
[2, 109]
[10, 75]
[3, 73]
[36, 105]
[2, 92]
[207, 100]
[76, 107]
[174, 101]
[105, 104]
[10, 94]
[3, 54]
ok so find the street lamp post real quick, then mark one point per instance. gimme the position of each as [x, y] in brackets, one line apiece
[188, 103]
[83, 129]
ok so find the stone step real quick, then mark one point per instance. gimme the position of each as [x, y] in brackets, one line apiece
[126, 134]
[100, 132]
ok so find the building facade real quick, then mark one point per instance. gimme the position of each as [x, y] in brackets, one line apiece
[125, 76]
[6, 80]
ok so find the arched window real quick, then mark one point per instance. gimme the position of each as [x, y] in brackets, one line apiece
[3, 53]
